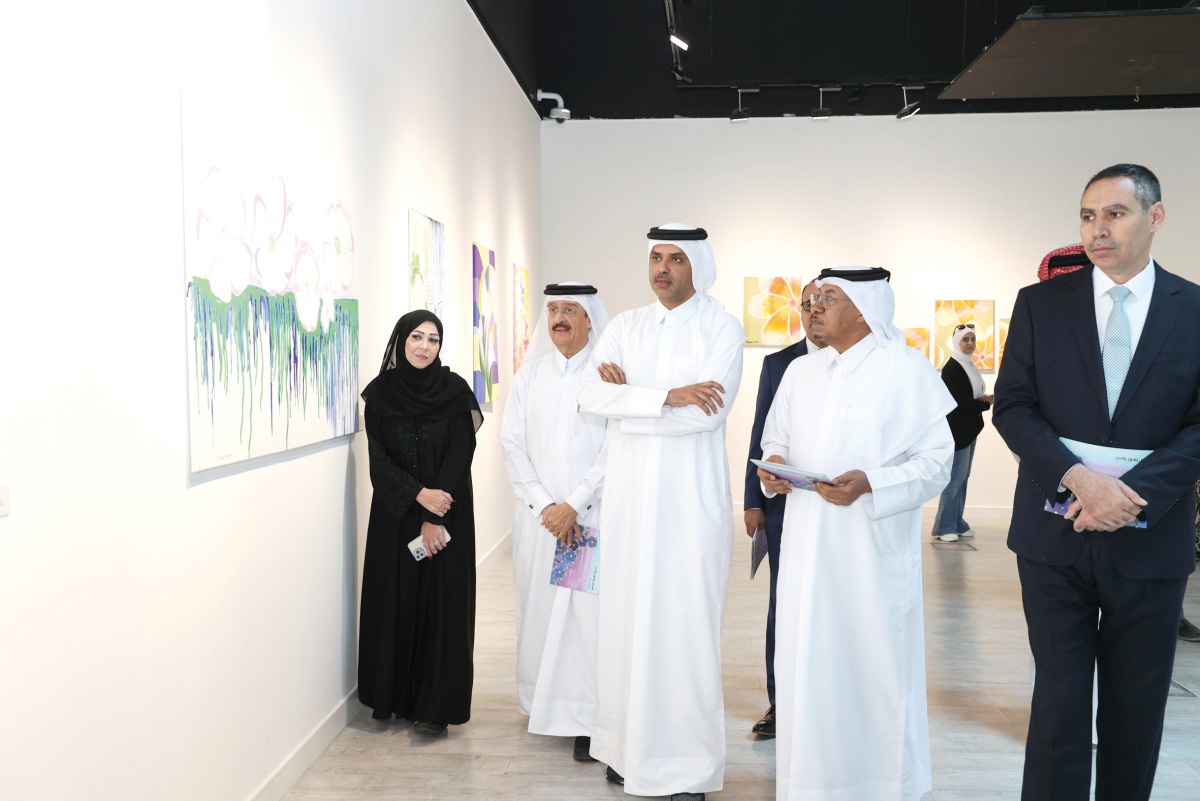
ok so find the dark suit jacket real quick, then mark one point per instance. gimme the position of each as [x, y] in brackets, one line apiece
[1051, 385]
[774, 366]
[966, 420]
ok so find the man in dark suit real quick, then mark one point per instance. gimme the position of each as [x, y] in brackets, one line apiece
[763, 512]
[1110, 356]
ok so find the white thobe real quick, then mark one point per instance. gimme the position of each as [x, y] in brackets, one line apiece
[851, 715]
[666, 530]
[552, 454]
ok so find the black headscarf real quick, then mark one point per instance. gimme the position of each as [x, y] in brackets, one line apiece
[429, 393]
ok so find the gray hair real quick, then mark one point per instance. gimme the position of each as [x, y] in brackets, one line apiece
[1145, 183]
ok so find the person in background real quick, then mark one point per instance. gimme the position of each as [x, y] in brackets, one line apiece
[962, 378]
[418, 617]
[767, 513]
[554, 457]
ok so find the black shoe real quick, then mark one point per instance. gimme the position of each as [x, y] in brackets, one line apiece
[429, 729]
[1187, 631]
[765, 728]
[613, 776]
[583, 745]
[687, 797]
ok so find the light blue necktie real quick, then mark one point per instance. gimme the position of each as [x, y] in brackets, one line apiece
[1118, 346]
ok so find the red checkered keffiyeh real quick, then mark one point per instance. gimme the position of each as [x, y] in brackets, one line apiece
[1062, 261]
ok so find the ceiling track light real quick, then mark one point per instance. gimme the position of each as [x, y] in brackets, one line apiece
[910, 109]
[853, 93]
[677, 44]
[822, 113]
[740, 114]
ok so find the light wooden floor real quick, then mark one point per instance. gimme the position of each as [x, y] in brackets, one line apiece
[978, 682]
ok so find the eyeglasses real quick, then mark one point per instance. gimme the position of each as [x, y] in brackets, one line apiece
[569, 311]
[961, 327]
[824, 301]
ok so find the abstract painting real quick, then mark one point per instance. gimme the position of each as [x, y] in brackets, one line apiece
[771, 311]
[486, 374]
[426, 263]
[918, 338]
[270, 293]
[948, 314]
[521, 314]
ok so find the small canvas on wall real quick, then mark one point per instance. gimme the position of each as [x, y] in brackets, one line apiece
[771, 311]
[521, 314]
[949, 314]
[426, 263]
[486, 374]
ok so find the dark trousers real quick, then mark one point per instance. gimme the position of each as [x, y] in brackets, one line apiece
[774, 536]
[1132, 649]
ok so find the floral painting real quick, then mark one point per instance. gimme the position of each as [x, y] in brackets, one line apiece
[918, 338]
[271, 304]
[771, 311]
[949, 314]
[521, 314]
[486, 374]
[426, 263]
[1001, 338]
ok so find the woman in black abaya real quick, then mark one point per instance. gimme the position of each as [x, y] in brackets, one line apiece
[418, 618]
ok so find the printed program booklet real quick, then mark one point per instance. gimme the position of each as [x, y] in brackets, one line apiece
[801, 479]
[578, 567]
[1113, 462]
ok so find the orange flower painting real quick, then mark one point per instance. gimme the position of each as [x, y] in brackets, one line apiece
[1001, 338]
[948, 314]
[771, 314]
[918, 338]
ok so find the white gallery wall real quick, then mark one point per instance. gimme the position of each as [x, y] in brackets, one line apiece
[195, 638]
[957, 207]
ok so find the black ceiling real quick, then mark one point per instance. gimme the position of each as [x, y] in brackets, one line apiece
[612, 58]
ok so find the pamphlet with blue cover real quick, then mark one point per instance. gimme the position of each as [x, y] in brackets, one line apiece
[1113, 462]
[578, 567]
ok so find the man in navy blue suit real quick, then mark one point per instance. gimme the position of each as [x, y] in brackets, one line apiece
[1110, 356]
[763, 512]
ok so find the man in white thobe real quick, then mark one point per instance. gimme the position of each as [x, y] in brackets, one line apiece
[554, 457]
[670, 373]
[869, 412]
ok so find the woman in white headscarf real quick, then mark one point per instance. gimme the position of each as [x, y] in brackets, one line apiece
[962, 378]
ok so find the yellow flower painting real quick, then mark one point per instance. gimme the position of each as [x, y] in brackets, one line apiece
[948, 314]
[1001, 338]
[771, 311]
[918, 338]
